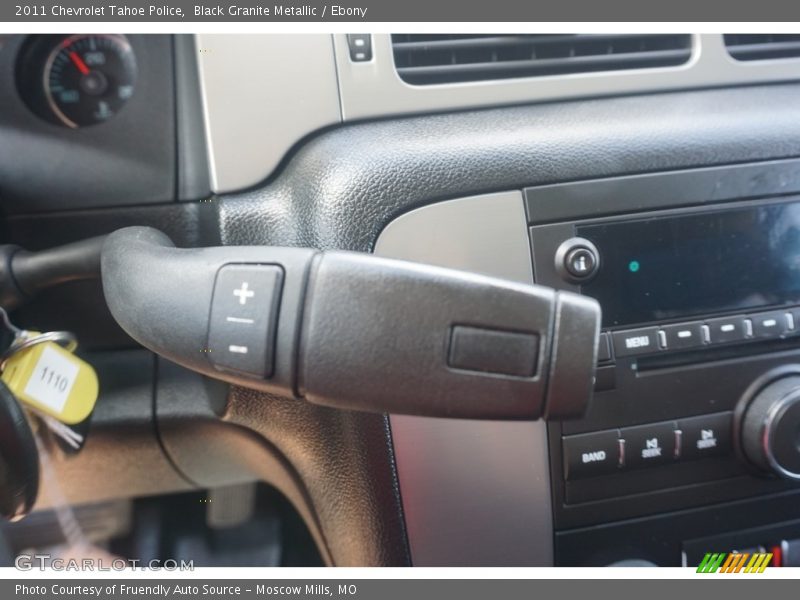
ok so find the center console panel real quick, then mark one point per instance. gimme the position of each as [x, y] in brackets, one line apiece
[698, 276]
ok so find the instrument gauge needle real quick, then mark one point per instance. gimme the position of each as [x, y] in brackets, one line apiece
[78, 62]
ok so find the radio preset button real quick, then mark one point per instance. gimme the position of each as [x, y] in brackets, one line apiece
[708, 435]
[603, 348]
[727, 329]
[794, 314]
[790, 550]
[591, 454]
[636, 341]
[683, 336]
[648, 445]
[769, 324]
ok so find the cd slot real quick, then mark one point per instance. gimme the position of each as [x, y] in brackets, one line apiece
[715, 354]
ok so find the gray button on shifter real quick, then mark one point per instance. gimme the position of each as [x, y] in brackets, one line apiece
[244, 316]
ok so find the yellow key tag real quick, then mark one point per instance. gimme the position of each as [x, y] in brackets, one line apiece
[54, 381]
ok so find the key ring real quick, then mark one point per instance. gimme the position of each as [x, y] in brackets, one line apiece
[63, 338]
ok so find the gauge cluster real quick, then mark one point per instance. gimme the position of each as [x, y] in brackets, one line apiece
[99, 120]
[76, 80]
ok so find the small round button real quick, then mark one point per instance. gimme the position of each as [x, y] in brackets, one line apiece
[577, 260]
[580, 262]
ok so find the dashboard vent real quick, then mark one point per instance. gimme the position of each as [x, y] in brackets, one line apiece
[423, 59]
[762, 46]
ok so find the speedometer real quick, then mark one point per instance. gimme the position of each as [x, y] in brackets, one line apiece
[88, 78]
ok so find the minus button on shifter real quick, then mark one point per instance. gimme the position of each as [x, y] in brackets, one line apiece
[244, 317]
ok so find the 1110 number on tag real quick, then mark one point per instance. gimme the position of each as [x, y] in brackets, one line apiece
[52, 379]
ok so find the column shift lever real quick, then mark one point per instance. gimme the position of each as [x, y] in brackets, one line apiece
[355, 331]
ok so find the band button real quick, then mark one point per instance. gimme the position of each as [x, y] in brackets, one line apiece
[591, 454]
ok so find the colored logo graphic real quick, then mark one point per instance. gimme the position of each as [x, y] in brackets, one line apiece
[734, 562]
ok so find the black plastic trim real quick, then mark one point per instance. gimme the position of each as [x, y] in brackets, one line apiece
[618, 195]
[193, 179]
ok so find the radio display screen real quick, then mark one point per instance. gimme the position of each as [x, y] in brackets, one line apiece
[694, 264]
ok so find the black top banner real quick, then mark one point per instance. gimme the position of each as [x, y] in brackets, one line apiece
[440, 11]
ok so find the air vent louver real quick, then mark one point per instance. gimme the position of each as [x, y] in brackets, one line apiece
[746, 46]
[423, 59]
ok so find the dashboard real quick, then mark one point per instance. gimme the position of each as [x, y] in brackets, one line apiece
[665, 185]
[118, 143]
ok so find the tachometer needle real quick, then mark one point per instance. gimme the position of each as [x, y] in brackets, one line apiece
[78, 61]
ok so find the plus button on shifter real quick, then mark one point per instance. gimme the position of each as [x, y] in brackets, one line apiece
[244, 293]
[244, 316]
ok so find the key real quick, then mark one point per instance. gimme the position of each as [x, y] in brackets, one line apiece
[53, 381]
[68, 438]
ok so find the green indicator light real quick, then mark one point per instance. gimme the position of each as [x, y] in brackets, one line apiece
[633, 266]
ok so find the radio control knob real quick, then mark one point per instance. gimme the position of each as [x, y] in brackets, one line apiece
[769, 427]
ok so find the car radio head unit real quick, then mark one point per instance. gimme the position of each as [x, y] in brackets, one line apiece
[701, 340]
